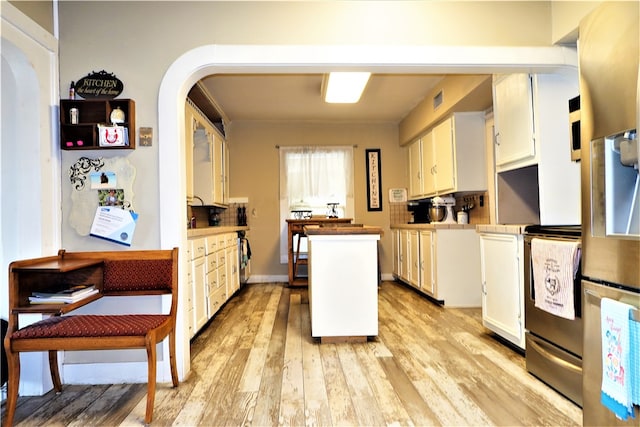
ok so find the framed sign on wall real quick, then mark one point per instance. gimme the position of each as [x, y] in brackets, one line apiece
[374, 179]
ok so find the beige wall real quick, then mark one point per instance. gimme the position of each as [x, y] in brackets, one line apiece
[255, 174]
[40, 11]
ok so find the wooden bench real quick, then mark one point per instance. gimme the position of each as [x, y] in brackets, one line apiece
[118, 273]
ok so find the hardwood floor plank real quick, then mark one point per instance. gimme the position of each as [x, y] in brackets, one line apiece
[316, 402]
[387, 389]
[267, 407]
[341, 406]
[65, 406]
[364, 402]
[292, 397]
[112, 406]
[252, 374]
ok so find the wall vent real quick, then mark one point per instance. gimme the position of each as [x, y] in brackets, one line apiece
[437, 100]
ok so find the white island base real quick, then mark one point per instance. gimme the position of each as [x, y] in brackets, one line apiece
[343, 283]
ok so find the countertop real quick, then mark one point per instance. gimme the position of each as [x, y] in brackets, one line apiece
[342, 230]
[480, 228]
[434, 226]
[208, 231]
[501, 228]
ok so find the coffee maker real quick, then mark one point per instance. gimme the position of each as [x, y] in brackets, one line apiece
[419, 211]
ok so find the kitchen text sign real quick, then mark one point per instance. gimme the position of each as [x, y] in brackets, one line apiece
[99, 85]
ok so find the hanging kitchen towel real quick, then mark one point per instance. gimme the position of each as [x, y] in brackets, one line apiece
[634, 349]
[616, 392]
[555, 264]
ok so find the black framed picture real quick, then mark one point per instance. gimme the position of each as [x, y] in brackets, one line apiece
[374, 179]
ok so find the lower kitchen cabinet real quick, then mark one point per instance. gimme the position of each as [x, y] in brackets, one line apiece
[444, 263]
[198, 290]
[213, 276]
[503, 285]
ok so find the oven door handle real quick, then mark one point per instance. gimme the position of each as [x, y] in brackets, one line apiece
[595, 299]
[554, 358]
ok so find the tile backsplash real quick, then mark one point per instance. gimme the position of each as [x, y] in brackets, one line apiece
[228, 217]
[479, 214]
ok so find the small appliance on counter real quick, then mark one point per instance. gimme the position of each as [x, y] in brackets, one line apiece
[419, 210]
[442, 210]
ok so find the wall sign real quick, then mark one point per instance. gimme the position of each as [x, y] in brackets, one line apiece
[374, 179]
[99, 85]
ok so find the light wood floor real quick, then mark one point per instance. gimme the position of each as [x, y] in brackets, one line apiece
[256, 364]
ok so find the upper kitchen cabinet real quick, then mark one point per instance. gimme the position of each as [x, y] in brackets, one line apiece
[513, 113]
[206, 149]
[537, 182]
[449, 158]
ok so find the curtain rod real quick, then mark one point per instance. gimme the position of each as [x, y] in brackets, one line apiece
[302, 146]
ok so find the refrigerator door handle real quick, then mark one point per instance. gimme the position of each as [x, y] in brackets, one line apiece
[595, 299]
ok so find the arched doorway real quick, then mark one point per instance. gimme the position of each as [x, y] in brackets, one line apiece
[215, 59]
[29, 159]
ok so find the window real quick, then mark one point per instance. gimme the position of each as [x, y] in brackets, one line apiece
[311, 177]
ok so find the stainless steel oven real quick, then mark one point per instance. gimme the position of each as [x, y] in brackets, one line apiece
[553, 343]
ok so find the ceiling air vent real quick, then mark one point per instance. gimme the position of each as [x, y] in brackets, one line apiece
[437, 100]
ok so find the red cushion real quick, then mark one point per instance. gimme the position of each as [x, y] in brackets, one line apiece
[92, 326]
[138, 275]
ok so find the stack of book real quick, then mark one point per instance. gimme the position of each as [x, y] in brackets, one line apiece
[73, 294]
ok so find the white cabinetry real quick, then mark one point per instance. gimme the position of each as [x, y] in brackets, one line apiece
[536, 180]
[213, 276]
[427, 262]
[513, 112]
[449, 158]
[395, 252]
[198, 290]
[206, 148]
[413, 250]
[444, 263]
[405, 259]
[503, 285]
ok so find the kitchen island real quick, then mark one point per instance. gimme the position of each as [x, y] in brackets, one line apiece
[343, 282]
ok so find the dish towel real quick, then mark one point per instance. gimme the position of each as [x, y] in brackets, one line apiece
[555, 264]
[616, 392]
[634, 348]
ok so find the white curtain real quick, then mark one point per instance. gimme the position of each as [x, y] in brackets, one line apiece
[311, 177]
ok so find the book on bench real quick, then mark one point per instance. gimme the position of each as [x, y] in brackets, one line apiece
[73, 294]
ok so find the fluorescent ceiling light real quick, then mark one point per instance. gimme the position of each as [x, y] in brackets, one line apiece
[344, 87]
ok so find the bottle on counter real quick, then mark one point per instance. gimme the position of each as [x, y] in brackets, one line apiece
[72, 90]
[192, 222]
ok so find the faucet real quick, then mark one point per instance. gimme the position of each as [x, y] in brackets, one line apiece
[201, 201]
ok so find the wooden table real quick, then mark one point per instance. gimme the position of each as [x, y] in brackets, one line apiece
[296, 227]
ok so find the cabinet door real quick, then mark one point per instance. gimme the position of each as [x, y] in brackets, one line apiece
[189, 127]
[415, 169]
[428, 164]
[444, 170]
[203, 163]
[199, 293]
[395, 253]
[414, 258]
[218, 169]
[404, 255]
[502, 282]
[513, 112]
[427, 262]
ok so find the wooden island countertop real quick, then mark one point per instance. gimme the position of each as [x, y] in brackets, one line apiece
[341, 230]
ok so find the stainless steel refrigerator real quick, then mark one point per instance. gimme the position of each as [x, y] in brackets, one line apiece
[609, 116]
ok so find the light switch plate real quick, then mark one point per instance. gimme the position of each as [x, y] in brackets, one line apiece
[146, 136]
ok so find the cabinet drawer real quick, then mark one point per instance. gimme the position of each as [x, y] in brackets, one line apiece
[212, 262]
[198, 248]
[212, 244]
